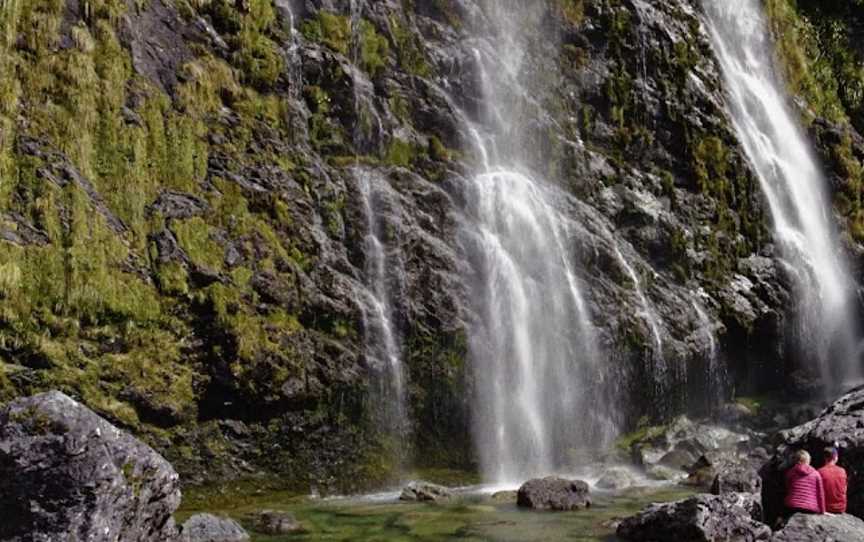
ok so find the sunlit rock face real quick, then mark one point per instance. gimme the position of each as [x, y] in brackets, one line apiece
[328, 239]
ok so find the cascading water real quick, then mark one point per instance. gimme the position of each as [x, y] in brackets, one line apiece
[792, 183]
[382, 344]
[658, 370]
[648, 312]
[534, 351]
[715, 372]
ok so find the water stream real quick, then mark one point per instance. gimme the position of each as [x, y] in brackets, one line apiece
[792, 183]
[537, 369]
[383, 349]
[383, 268]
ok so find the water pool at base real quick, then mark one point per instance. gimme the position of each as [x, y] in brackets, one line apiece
[472, 516]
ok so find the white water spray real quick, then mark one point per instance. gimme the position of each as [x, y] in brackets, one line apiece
[537, 371]
[792, 183]
[383, 350]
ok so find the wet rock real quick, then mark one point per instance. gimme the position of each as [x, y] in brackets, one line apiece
[425, 491]
[273, 522]
[738, 479]
[821, 528]
[616, 478]
[679, 443]
[841, 423]
[677, 459]
[67, 472]
[157, 38]
[702, 518]
[210, 528]
[662, 472]
[703, 472]
[552, 493]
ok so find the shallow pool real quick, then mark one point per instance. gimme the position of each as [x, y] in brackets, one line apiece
[473, 515]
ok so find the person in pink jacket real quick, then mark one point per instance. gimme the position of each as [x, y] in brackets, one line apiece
[804, 489]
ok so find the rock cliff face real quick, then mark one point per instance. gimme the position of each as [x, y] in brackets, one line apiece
[182, 230]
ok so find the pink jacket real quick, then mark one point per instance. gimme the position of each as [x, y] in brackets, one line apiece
[804, 489]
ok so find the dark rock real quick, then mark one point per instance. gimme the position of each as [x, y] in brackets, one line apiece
[425, 491]
[821, 528]
[69, 473]
[210, 528]
[273, 522]
[172, 204]
[553, 493]
[157, 38]
[677, 459]
[738, 479]
[702, 518]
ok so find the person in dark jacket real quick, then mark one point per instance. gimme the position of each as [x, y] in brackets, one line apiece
[804, 490]
[834, 482]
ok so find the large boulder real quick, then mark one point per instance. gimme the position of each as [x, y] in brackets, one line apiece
[737, 479]
[210, 528]
[552, 493]
[680, 442]
[68, 474]
[701, 518]
[821, 528]
[425, 492]
[843, 423]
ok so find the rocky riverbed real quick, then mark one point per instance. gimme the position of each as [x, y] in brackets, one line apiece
[68, 470]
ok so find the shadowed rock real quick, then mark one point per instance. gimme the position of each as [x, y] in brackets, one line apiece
[424, 491]
[821, 528]
[702, 518]
[210, 528]
[553, 493]
[69, 474]
[738, 479]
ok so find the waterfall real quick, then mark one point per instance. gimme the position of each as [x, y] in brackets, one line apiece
[658, 370]
[382, 346]
[383, 349]
[537, 370]
[792, 183]
[715, 371]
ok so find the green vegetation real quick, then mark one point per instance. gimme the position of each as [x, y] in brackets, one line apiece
[823, 66]
[409, 47]
[573, 11]
[331, 29]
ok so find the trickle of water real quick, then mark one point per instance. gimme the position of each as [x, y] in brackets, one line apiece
[715, 371]
[792, 183]
[382, 345]
[648, 313]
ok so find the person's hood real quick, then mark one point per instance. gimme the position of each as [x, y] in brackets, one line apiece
[801, 470]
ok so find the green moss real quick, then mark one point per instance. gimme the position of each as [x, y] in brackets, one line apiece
[400, 153]
[409, 47]
[172, 279]
[330, 29]
[573, 11]
[644, 431]
[196, 240]
[373, 48]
